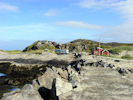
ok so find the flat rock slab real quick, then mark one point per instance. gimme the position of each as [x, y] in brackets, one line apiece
[101, 84]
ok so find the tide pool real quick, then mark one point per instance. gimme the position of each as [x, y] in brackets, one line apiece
[2, 74]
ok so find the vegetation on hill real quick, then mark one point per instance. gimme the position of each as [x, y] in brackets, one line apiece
[14, 51]
[79, 45]
[20, 52]
[38, 46]
[1, 50]
[120, 49]
[30, 46]
[128, 57]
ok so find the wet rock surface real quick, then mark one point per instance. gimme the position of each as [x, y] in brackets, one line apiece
[22, 71]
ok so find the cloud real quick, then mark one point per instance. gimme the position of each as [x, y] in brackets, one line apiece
[96, 3]
[51, 12]
[77, 24]
[123, 7]
[7, 7]
[122, 32]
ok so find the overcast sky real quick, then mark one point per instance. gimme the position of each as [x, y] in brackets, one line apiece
[23, 22]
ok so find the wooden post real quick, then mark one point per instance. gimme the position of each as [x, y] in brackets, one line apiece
[99, 46]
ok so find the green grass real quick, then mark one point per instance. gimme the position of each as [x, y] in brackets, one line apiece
[86, 50]
[31, 51]
[43, 47]
[74, 45]
[85, 43]
[35, 51]
[106, 47]
[30, 46]
[120, 49]
[14, 52]
[128, 57]
[1, 50]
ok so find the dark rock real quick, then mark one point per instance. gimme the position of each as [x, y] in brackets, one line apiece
[118, 68]
[122, 71]
[131, 70]
[77, 67]
[117, 60]
[10, 82]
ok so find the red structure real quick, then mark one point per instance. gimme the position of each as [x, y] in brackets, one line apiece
[96, 50]
[105, 52]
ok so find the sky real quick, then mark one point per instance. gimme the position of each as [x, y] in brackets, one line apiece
[22, 22]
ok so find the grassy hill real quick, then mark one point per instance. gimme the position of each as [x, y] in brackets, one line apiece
[79, 45]
[76, 45]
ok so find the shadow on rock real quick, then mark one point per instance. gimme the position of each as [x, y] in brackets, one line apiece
[44, 92]
[48, 94]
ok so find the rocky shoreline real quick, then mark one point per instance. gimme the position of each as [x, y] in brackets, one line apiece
[69, 79]
[26, 67]
[17, 72]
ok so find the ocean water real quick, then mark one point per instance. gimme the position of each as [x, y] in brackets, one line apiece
[2, 74]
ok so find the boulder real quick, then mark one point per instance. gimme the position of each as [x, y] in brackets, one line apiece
[46, 79]
[131, 70]
[106, 65]
[65, 74]
[28, 92]
[100, 63]
[82, 62]
[123, 71]
[62, 73]
[10, 93]
[112, 66]
[77, 66]
[10, 81]
[54, 69]
[60, 87]
[118, 68]
[74, 79]
[70, 71]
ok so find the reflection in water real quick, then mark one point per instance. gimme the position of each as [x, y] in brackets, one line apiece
[13, 89]
[2, 74]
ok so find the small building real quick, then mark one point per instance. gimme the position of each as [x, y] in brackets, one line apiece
[105, 52]
[62, 51]
[96, 50]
